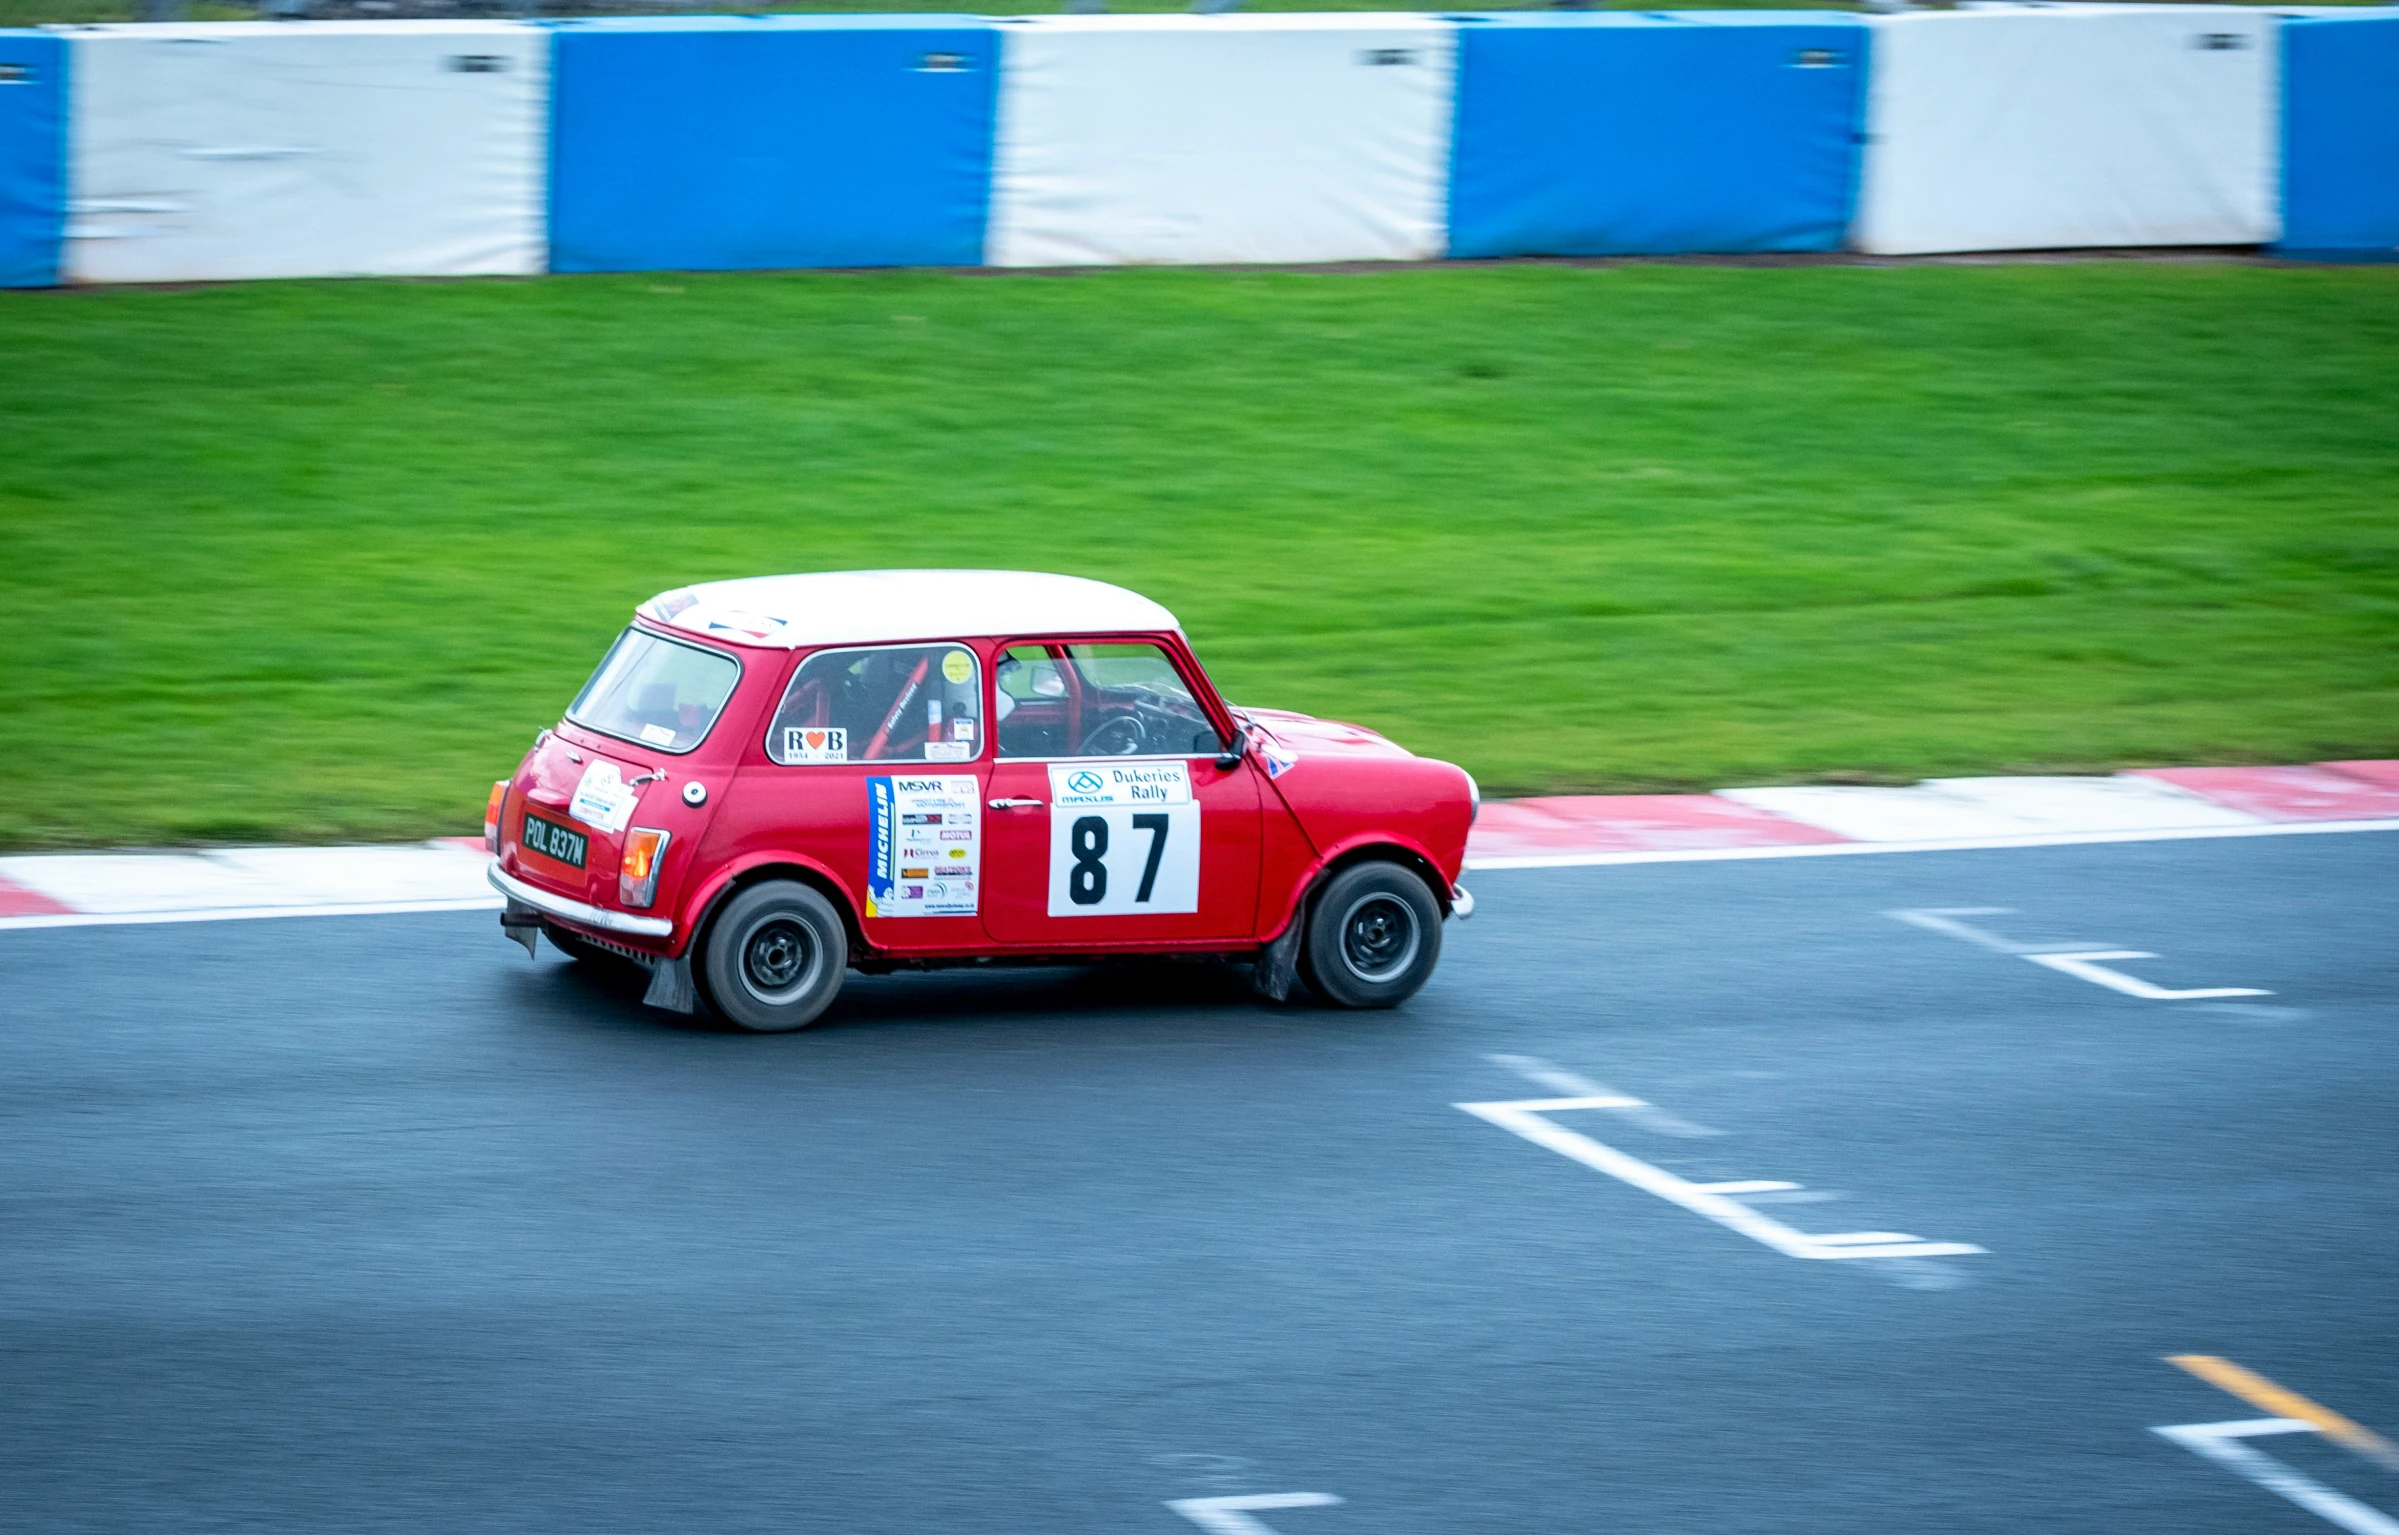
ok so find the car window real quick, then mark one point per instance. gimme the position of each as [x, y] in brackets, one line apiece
[1118, 700]
[898, 703]
[657, 692]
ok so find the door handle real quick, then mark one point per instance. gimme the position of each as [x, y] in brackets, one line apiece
[1012, 804]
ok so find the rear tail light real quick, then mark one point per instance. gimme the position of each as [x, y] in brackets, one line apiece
[491, 817]
[637, 876]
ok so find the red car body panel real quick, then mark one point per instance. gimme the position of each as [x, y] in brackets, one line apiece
[1304, 795]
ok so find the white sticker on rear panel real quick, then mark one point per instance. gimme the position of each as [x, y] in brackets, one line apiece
[603, 798]
[1124, 839]
[925, 845]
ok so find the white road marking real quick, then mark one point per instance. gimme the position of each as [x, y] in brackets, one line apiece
[1588, 1094]
[2080, 960]
[2086, 966]
[1748, 1186]
[1944, 920]
[2124, 802]
[1937, 845]
[245, 913]
[2224, 1444]
[1542, 1074]
[1891, 814]
[1231, 1516]
[1524, 1118]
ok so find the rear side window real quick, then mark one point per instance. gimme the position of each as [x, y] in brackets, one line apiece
[897, 703]
[657, 692]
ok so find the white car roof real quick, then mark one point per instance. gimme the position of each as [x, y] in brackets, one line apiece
[875, 607]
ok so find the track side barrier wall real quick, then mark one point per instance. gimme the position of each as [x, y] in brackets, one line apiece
[196, 152]
[2340, 168]
[33, 157]
[1231, 138]
[1597, 133]
[315, 149]
[2026, 128]
[784, 141]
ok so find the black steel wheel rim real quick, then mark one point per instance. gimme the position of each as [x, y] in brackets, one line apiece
[1379, 937]
[778, 958]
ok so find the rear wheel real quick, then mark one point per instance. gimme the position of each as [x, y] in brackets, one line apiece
[1373, 938]
[776, 956]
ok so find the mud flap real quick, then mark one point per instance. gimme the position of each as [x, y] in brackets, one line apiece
[1278, 962]
[520, 923]
[671, 988]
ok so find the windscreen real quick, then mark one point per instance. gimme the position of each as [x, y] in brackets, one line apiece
[656, 692]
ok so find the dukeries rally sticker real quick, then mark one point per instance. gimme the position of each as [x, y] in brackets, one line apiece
[925, 845]
[1124, 839]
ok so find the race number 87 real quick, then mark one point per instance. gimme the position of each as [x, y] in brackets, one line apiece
[1119, 862]
[1087, 881]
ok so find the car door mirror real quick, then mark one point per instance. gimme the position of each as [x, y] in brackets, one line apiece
[1230, 758]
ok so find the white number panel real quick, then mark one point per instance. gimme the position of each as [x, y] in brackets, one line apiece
[1124, 839]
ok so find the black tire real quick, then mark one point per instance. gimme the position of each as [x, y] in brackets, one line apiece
[1372, 938]
[776, 956]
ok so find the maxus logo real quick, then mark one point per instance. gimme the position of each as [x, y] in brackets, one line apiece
[1085, 782]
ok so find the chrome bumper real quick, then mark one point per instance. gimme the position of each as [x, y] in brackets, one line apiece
[576, 911]
[1461, 902]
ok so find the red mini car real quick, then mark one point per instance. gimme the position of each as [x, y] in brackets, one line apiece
[768, 782]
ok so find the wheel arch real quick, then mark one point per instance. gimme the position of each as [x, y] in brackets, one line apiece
[757, 871]
[1369, 850]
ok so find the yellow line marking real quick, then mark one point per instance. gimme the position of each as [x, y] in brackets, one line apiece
[2283, 1402]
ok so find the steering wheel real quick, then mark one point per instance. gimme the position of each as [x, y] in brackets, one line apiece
[1119, 737]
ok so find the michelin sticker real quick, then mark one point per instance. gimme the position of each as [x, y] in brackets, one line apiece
[815, 745]
[925, 845]
[603, 798]
[1124, 839]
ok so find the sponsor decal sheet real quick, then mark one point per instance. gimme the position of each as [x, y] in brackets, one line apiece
[925, 845]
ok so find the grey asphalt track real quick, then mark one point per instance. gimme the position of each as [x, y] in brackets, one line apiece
[371, 1224]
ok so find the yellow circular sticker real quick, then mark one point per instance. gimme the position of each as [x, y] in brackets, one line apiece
[957, 666]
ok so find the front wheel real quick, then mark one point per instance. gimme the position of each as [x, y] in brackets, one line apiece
[1373, 938]
[776, 956]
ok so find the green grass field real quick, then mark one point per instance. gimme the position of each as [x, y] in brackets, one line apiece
[310, 561]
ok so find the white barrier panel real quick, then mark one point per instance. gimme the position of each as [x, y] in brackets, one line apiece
[2036, 127]
[307, 149]
[1229, 138]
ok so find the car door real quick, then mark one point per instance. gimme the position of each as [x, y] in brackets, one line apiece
[1109, 822]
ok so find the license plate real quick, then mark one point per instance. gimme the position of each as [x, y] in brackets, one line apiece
[552, 840]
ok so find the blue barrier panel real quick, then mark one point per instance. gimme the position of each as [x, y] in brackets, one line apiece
[33, 158]
[2340, 137]
[1621, 133]
[773, 141]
